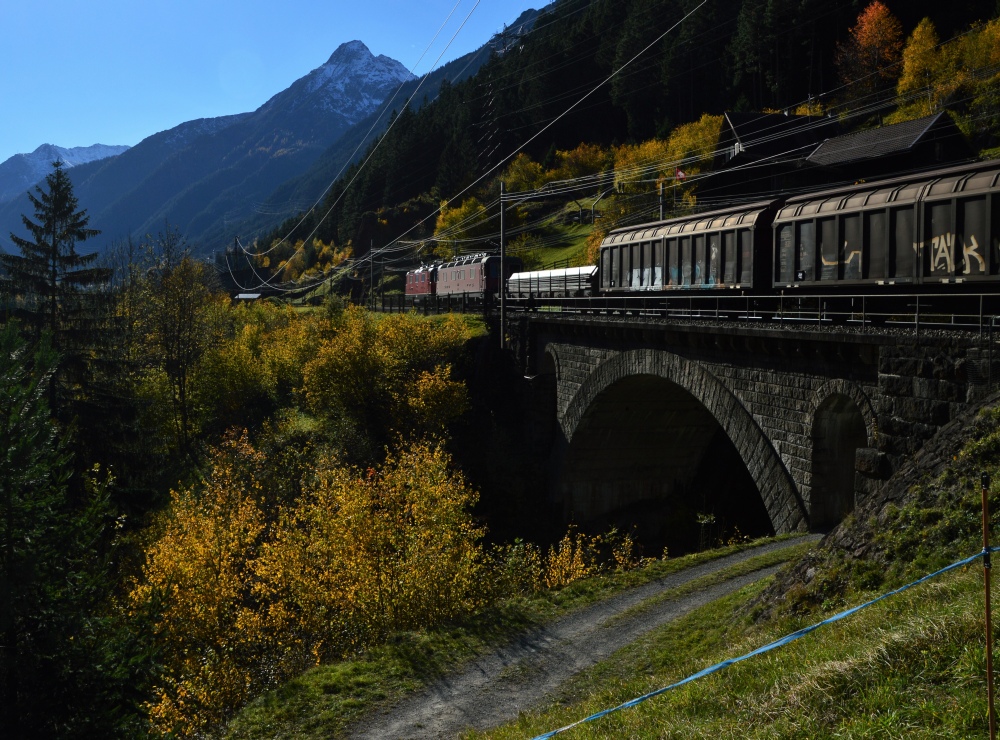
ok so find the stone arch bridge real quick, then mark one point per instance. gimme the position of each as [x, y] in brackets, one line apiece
[805, 422]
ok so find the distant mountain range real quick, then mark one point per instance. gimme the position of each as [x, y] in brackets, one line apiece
[212, 179]
[21, 171]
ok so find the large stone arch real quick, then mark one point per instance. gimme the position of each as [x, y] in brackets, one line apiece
[777, 490]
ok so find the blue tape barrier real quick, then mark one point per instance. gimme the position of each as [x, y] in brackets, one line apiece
[766, 648]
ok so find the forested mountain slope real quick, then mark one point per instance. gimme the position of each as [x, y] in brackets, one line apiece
[628, 78]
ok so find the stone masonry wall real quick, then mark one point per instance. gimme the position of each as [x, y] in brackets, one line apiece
[904, 390]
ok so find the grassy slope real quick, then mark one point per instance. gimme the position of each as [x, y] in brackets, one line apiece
[910, 666]
[321, 702]
[913, 667]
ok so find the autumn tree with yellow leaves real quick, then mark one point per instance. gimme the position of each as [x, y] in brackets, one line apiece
[364, 373]
[200, 573]
[462, 228]
[640, 170]
[248, 592]
[959, 76]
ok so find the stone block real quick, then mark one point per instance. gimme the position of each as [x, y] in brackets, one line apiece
[872, 463]
[906, 366]
[895, 385]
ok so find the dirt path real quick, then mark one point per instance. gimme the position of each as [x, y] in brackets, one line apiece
[494, 688]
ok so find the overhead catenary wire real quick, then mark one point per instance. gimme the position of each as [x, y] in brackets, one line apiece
[616, 72]
[537, 134]
[386, 107]
[566, 112]
[579, 184]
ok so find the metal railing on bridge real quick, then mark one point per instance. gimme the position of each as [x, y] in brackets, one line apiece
[976, 315]
[918, 312]
[434, 304]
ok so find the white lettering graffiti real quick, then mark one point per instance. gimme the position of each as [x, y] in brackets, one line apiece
[973, 251]
[942, 259]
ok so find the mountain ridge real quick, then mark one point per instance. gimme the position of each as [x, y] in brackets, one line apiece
[207, 170]
[20, 172]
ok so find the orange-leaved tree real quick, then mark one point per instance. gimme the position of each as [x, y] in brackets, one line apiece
[868, 61]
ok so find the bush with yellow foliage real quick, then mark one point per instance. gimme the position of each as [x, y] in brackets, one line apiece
[365, 553]
[199, 577]
[255, 365]
[248, 592]
[460, 227]
[961, 74]
[524, 173]
[364, 373]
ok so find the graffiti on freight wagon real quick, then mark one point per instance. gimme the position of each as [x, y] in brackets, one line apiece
[943, 255]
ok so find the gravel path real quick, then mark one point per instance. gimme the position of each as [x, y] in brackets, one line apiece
[494, 688]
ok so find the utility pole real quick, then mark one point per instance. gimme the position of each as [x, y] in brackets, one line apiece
[503, 286]
[661, 200]
[992, 721]
[371, 271]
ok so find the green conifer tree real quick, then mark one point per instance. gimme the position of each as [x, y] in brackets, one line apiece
[47, 278]
[68, 667]
[51, 287]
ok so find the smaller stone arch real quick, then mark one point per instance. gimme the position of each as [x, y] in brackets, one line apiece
[548, 362]
[854, 392]
[841, 422]
[542, 389]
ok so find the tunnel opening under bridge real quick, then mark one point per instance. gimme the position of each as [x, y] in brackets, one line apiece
[648, 457]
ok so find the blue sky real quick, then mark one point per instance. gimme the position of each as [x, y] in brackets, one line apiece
[76, 73]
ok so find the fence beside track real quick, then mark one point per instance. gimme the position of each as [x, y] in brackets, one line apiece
[917, 311]
[781, 642]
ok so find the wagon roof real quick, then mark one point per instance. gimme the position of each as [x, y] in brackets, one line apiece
[745, 215]
[969, 178]
[556, 274]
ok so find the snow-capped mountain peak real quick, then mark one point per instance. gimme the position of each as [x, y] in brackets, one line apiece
[352, 83]
[20, 172]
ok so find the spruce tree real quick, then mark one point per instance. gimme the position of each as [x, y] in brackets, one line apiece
[70, 666]
[48, 280]
[52, 288]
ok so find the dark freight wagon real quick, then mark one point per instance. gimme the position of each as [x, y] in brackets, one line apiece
[727, 249]
[932, 229]
[925, 232]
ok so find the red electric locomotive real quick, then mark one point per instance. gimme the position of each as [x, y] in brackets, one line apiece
[473, 276]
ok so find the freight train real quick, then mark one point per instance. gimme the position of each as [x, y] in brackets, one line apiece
[935, 232]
